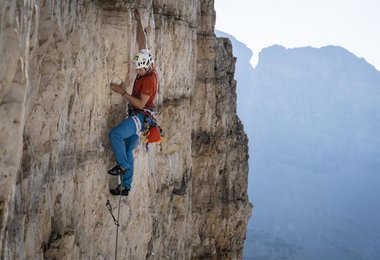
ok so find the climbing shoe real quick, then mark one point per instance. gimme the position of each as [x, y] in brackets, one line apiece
[116, 191]
[116, 170]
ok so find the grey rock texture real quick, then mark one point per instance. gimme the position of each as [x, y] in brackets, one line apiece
[56, 108]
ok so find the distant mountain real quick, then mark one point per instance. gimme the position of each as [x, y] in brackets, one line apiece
[323, 103]
[243, 70]
[312, 116]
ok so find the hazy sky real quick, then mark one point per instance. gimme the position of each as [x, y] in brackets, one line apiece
[351, 24]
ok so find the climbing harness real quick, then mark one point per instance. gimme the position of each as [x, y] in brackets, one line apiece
[115, 220]
[153, 133]
[136, 120]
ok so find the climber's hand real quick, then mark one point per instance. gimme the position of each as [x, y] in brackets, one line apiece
[117, 88]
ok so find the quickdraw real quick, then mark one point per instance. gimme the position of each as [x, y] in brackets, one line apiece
[116, 221]
[109, 207]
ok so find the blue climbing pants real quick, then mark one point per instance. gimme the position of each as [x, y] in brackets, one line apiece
[123, 141]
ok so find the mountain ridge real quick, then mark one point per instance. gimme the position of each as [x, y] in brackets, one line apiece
[312, 118]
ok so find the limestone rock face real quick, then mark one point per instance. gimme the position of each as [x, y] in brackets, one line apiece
[56, 108]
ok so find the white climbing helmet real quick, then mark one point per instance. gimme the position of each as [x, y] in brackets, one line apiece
[143, 59]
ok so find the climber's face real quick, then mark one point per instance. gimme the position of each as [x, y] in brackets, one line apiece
[141, 71]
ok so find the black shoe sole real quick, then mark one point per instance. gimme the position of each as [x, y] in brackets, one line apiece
[114, 174]
[116, 192]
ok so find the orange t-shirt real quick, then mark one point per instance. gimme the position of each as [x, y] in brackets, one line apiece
[147, 85]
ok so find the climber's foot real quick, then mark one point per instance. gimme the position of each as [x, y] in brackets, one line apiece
[117, 170]
[116, 191]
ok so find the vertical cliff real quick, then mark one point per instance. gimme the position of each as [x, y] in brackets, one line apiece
[56, 107]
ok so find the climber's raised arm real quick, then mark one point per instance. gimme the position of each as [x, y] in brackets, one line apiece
[141, 37]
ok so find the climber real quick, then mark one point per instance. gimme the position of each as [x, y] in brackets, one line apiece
[125, 135]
